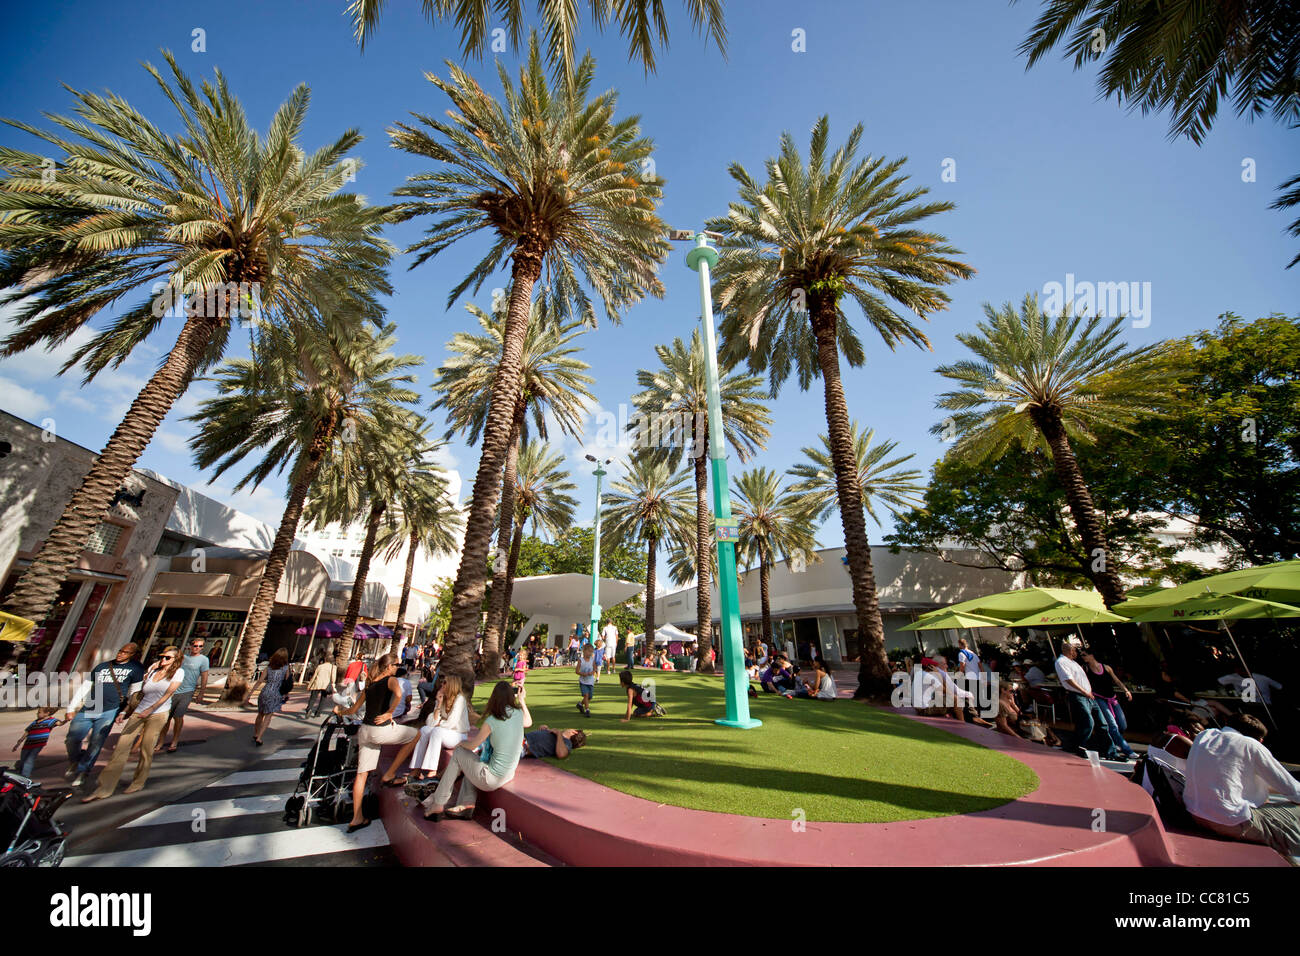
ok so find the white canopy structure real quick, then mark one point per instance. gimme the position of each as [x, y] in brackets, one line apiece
[667, 634]
[562, 600]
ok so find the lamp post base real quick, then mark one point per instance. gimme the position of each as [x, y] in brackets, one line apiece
[749, 723]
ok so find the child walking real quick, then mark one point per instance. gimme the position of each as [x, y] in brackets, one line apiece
[34, 739]
[586, 671]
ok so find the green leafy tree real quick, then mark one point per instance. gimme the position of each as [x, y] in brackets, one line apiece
[302, 399]
[558, 183]
[1043, 380]
[1009, 510]
[219, 219]
[1184, 57]
[641, 22]
[1227, 456]
[795, 248]
[774, 523]
[553, 384]
[650, 505]
[677, 393]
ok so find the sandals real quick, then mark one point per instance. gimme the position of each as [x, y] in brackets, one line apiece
[354, 827]
[465, 814]
[395, 782]
[433, 816]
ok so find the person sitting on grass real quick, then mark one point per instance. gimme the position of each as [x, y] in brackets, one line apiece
[586, 671]
[779, 677]
[1230, 774]
[502, 737]
[545, 742]
[639, 704]
[823, 684]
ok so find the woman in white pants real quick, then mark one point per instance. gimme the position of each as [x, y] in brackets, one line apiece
[503, 731]
[447, 726]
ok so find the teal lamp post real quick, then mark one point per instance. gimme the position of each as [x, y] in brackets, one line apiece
[702, 258]
[595, 560]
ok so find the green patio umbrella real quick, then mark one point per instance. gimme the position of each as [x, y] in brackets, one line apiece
[1220, 607]
[1278, 582]
[1066, 616]
[1013, 605]
[947, 619]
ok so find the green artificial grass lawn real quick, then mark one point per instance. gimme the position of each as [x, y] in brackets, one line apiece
[835, 761]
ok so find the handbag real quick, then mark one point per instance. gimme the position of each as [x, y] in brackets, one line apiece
[286, 682]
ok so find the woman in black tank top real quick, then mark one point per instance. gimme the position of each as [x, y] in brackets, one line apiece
[379, 700]
[1104, 686]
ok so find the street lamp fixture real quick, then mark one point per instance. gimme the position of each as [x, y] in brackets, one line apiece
[735, 681]
[595, 554]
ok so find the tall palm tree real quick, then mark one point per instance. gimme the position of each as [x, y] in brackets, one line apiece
[548, 172]
[553, 381]
[639, 21]
[1051, 380]
[302, 399]
[425, 517]
[220, 220]
[650, 504]
[792, 250]
[365, 485]
[541, 496]
[773, 522]
[879, 477]
[678, 391]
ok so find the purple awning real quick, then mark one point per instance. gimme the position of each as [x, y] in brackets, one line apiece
[325, 628]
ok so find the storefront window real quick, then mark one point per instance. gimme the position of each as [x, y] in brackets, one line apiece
[171, 631]
[43, 637]
[84, 623]
[220, 632]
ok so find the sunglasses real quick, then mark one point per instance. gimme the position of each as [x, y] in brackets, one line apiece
[168, 657]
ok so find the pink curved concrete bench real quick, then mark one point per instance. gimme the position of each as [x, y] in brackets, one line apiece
[581, 823]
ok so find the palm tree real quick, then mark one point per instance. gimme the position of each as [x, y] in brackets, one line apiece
[553, 380]
[304, 396]
[221, 221]
[366, 483]
[678, 391]
[773, 522]
[548, 172]
[1038, 379]
[639, 21]
[653, 505]
[1184, 56]
[792, 250]
[426, 517]
[542, 496]
[878, 477]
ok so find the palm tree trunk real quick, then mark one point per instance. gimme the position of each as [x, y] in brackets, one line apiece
[343, 650]
[264, 601]
[873, 671]
[703, 562]
[467, 596]
[764, 571]
[511, 569]
[497, 608]
[1099, 563]
[34, 594]
[651, 556]
[406, 593]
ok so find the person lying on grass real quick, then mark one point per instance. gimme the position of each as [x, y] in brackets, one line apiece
[638, 704]
[545, 742]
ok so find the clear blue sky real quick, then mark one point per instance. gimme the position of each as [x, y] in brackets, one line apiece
[1049, 180]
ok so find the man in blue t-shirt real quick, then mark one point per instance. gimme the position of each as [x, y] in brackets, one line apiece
[104, 695]
[194, 666]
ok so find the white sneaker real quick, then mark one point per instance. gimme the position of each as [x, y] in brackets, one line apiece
[78, 780]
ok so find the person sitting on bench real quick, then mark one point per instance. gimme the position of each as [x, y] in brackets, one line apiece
[1230, 774]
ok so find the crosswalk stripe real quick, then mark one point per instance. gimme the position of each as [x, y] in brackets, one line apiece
[252, 848]
[212, 810]
[293, 754]
[246, 777]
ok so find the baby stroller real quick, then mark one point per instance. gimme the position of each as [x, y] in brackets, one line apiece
[324, 790]
[29, 834]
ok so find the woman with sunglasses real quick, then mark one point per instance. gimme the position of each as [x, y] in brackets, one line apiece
[145, 719]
